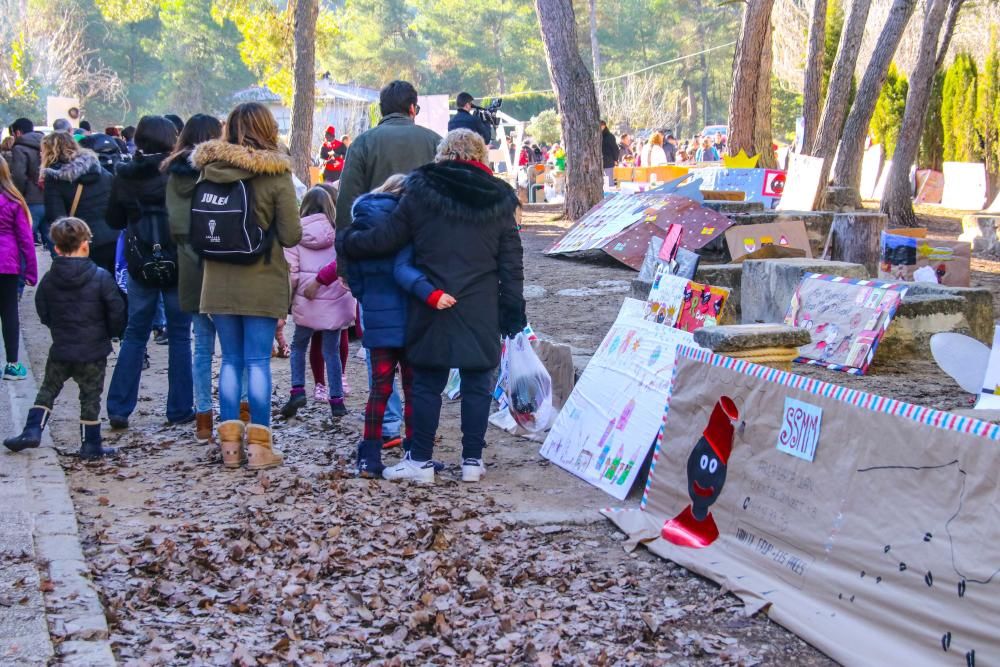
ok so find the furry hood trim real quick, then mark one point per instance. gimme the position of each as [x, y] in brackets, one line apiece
[254, 161]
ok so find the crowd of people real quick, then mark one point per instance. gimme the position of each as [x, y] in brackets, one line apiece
[410, 235]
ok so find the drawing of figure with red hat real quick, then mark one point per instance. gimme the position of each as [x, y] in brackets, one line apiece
[332, 154]
[706, 471]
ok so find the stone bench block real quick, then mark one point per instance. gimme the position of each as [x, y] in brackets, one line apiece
[980, 229]
[978, 307]
[919, 317]
[768, 284]
[744, 337]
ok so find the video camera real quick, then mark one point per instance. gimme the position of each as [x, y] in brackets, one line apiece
[489, 114]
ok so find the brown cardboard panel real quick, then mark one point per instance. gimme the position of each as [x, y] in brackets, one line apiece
[746, 239]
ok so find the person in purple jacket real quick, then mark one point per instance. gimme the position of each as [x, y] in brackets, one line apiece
[17, 259]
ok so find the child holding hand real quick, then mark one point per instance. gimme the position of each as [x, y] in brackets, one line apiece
[385, 288]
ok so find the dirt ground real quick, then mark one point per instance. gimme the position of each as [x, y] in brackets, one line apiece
[306, 565]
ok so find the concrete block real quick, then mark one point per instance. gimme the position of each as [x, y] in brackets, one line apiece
[58, 547]
[768, 284]
[978, 306]
[640, 289]
[742, 337]
[732, 207]
[980, 229]
[919, 317]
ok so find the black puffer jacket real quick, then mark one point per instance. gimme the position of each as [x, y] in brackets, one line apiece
[25, 166]
[61, 181]
[82, 307]
[139, 185]
[465, 120]
[465, 240]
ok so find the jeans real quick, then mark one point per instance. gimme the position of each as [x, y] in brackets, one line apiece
[331, 355]
[124, 391]
[40, 227]
[246, 345]
[204, 352]
[477, 397]
[160, 319]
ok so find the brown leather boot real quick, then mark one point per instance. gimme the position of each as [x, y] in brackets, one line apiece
[203, 423]
[231, 443]
[244, 412]
[261, 453]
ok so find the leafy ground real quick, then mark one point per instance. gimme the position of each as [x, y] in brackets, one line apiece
[306, 565]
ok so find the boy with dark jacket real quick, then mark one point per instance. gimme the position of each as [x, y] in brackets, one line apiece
[81, 305]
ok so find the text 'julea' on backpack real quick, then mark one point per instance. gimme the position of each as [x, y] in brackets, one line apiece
[224, 226]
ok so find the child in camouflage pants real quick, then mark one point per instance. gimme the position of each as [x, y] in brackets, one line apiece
[81, 305]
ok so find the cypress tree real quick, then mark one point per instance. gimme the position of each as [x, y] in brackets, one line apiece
[988, 107]
[958, 111]
[932, 142]
[888, 116]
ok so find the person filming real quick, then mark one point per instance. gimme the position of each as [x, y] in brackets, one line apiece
[466, 119]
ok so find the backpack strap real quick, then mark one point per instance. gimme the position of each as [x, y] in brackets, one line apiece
[76, 199]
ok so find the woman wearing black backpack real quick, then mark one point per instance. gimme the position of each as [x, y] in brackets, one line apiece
[245, 295]
[138, 205]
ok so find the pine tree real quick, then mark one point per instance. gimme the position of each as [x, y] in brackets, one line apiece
[958, 110]
[888, 116]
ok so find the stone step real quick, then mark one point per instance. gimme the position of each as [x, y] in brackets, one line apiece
[767, 285]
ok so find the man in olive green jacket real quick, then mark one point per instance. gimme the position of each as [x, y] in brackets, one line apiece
[397, 145]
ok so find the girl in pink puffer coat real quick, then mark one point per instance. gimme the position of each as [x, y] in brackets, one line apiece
[17, 259]
[315, 307]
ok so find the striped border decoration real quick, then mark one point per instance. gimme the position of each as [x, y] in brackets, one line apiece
[888, 287]
[948, 421]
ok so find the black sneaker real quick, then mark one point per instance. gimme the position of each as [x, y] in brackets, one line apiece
[118, 423]
[145, 361]
[160, 336]
[338, 409]
[291, 408]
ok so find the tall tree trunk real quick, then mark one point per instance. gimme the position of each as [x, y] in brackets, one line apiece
[304, 98]
[706, 106]
[839, 89]
[814, 75]
[577, 98]
[898, 200]
[595, 48]
[750, 99]
[954, 7]
[847, 171]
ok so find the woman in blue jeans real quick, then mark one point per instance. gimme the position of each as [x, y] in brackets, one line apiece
[245, 301]
[137, 203]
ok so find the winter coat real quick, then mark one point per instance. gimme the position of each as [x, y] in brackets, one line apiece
[395, 146]
[260, 289]
[465, 240]
[381, 284]
[137, 185]
[61, 181]
[609, 149]
[333, 307]
[707, 155]
[82, 307]
[16, 240]
[670, 152]
[181, 179]
[26, 165]
[653, 155]
[468, 121]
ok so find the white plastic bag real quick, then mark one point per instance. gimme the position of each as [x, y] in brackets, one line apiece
[529, 386]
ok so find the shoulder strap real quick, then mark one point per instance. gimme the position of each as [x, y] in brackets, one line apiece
[76, 199]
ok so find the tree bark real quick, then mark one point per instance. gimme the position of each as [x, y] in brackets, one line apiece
[814, 75]
[750, 99]
[857, 237]
[577, 98]
[847, 171]
[898, 200]
[304, 97]
[595, 48]
[954, 7]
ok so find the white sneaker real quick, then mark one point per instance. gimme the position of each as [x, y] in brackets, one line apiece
[320, 394]
[421, 472]
[473, 470]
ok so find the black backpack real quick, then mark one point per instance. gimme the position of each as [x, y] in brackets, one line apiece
[150, 248]
[223, 225]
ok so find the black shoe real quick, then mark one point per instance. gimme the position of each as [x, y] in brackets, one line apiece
[338, 409]
[145, 361]
[370, 459]
[160, 336]
[294, 404]
[184, 420]
[118, 423]
[90, 446]
[31, 436]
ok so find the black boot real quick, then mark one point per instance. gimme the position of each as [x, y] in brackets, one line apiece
[31, 436]
[90, 447]
[370, 459]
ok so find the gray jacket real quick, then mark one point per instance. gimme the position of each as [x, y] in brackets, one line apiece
[25, 166]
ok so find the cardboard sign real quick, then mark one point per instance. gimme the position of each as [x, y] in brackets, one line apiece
[871, 166]
[610, 420]
[683, 303]
[774, 184]
[964, 186]
[700, 226]
[884, 550]
[847, 318]
[800, 429]
[746, 239]
[758, 185]
[611, 217]
[804, 172]
[930, 187]
[906, 255]
[989, 397]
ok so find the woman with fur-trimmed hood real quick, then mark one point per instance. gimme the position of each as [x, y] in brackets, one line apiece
[247, 300]
[461, 222]
[65, 168]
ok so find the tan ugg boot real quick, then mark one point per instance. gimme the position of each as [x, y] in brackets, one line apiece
[261, 453]
[203, 422]
[231, 443]
[244, 412]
